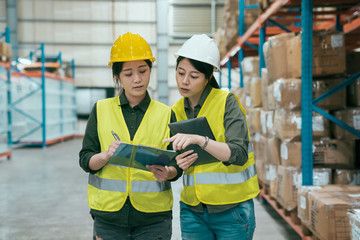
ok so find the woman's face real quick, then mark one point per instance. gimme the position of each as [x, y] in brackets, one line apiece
[134, 78]
[190, 81]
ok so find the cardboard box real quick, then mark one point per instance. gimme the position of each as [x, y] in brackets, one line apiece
[353, 93]
[328, 54]
[265, 149]
[326, 153]
[290, 179]
[287, 187]
[260, 170]
[346, 176]
[293, 56]
[257, 148]
[334, 153]
[304, 209]
[287, 125]
[270, 173]
[287, 93]
[352, 62]
[255, 92]
[354, 221]
[264, 87]
[5, 50]
[335, 101]
[351, 117]
[328, 219]
[271, 98]
[267, 123]
[273, 147]
[290, 153]
[250, 66]
[253, 119]
[275, 56]
[240, 93]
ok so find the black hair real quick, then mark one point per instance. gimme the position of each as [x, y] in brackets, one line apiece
[202, 67]
[117, 67]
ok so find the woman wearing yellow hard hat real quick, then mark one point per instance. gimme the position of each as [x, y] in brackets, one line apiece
[128, 202]
[216, 201]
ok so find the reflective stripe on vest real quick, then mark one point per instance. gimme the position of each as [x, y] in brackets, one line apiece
[107, 184]
[220, 178]
[149, 186]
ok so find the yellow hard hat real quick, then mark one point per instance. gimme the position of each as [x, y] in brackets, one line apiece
[130, 47]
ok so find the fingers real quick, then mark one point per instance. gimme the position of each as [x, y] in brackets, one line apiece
[161, 173]
[169, 139]
[186, 162]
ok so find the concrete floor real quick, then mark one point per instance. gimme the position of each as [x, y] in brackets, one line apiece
[43, 197]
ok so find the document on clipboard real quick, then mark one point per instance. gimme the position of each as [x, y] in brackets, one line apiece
[199, 126]
[138, 156]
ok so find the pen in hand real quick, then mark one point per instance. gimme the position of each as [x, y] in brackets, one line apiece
[115, 135]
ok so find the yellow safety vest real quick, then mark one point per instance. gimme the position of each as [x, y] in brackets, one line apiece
[215, 183]
[109, 188]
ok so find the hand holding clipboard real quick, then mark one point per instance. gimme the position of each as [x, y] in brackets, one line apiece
[198, 126]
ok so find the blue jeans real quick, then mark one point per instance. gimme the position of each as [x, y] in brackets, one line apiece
[235, 223]
[157, 231]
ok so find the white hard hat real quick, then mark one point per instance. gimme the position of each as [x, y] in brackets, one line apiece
[201, 48]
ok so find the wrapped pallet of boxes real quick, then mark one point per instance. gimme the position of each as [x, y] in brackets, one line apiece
[346, 176]
[287, 125]
[326, 153]
[328, 213]
[328, 54]
[350, 116]
[354, 221]
[275, 56]
[304, 207]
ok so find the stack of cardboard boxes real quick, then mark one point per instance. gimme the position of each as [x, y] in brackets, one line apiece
[274, 115]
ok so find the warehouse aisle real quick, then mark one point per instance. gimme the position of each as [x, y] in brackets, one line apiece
[43, 197]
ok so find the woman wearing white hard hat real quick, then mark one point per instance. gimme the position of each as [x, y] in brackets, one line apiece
[217, 198]
[128, 202]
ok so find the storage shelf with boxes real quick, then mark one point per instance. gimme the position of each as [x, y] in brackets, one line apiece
[5, 55]
[42, 99]
[274, 101]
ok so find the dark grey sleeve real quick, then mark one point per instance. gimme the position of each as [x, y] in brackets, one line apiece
[236, 132]
[91, 143]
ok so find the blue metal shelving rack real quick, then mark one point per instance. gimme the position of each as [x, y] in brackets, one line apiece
[308, 104]
[40, 86]
[6, 35]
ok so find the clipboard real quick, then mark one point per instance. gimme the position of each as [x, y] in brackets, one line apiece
[199, 126]
[138, 156]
